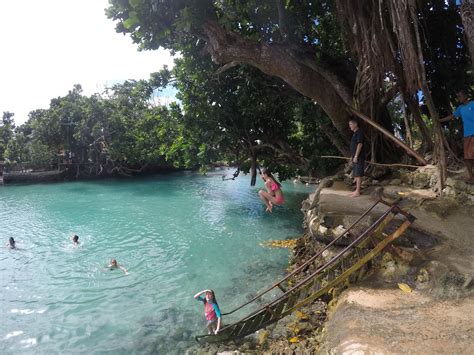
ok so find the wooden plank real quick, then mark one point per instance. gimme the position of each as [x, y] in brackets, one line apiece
[291, 300]
[247, 328]
[371, 254]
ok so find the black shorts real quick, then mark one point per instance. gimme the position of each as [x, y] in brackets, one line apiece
[358, 168]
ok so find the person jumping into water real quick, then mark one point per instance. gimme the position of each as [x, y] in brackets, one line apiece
[211, 310]
[273, 195]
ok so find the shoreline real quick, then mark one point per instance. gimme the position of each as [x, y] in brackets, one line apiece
[38, 177]
[435, 260]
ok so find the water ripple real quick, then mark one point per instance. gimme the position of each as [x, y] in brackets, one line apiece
[175, 234]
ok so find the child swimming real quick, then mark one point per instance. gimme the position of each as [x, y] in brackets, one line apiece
[273, 195]
[211, 310]
[114, 265]
[75, 240]
[11, 243]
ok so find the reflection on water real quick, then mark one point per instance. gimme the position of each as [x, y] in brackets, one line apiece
[176, 234]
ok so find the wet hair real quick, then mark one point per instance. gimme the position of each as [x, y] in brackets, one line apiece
[113, 261]
[11, 241]
[213, 296]
[267, 172]
[75, 238]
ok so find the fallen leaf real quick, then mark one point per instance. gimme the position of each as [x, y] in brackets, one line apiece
[294, 340]
[404, 287]
[301, 315]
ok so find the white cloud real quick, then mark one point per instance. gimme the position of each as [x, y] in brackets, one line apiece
[50, 45]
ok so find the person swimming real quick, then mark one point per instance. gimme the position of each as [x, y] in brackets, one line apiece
[273, 195]
[114, 265]
[11, 243]
[75, 239]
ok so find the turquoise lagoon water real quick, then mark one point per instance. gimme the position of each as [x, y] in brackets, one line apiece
[176, 234]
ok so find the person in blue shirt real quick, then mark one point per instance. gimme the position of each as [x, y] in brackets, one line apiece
[211, 310]
[465, 111]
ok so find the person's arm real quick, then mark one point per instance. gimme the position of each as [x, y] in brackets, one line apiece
[219, 317]
[197, 295]
[123, 269]
[447, 118]
[218, 328]
[356, 155]
[268, 185]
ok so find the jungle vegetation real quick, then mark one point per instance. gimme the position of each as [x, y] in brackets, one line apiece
[267, 82]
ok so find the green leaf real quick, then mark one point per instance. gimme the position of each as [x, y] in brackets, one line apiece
[130, 23]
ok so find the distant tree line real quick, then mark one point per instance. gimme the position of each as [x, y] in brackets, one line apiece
[243, 119]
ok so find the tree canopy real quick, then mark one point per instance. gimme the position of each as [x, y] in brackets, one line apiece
[265, 82]
[350, 57]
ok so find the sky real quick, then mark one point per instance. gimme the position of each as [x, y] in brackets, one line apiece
[47, 46]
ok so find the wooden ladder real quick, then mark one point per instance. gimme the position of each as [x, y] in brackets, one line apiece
[332, 273]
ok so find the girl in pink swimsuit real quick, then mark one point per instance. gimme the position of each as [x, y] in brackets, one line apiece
[273, 195]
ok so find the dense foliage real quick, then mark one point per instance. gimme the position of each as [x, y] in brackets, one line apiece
[118, 131]
[259, 83]
[240, 118]
[341, 54]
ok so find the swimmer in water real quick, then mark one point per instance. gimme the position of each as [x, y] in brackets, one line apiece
[114, 265]
[11, 243]
[75, 240]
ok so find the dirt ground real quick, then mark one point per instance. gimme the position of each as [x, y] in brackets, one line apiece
[371, 321]
[450, 224]
[384, 319]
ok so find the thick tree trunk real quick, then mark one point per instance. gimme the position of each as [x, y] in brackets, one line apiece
[427, 142]
[334, 137]
[253, 168]
[440, 152]
[226, 47]
[467, 16]
[406, 121]
[309, 79]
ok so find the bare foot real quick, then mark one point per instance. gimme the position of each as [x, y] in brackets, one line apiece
[355, 194]
[269, 208]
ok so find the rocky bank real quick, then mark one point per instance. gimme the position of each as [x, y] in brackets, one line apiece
[417, 297]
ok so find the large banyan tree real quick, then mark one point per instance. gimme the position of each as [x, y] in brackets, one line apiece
[350, 57]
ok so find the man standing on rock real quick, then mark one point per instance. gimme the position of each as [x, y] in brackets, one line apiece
[357, 155]
[465, 111]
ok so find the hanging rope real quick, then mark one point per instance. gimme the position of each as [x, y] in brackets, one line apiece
[236, 174]
[378, 164]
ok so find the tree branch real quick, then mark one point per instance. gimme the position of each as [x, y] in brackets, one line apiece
[226, 67]
[390, 136]
[303, 75]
